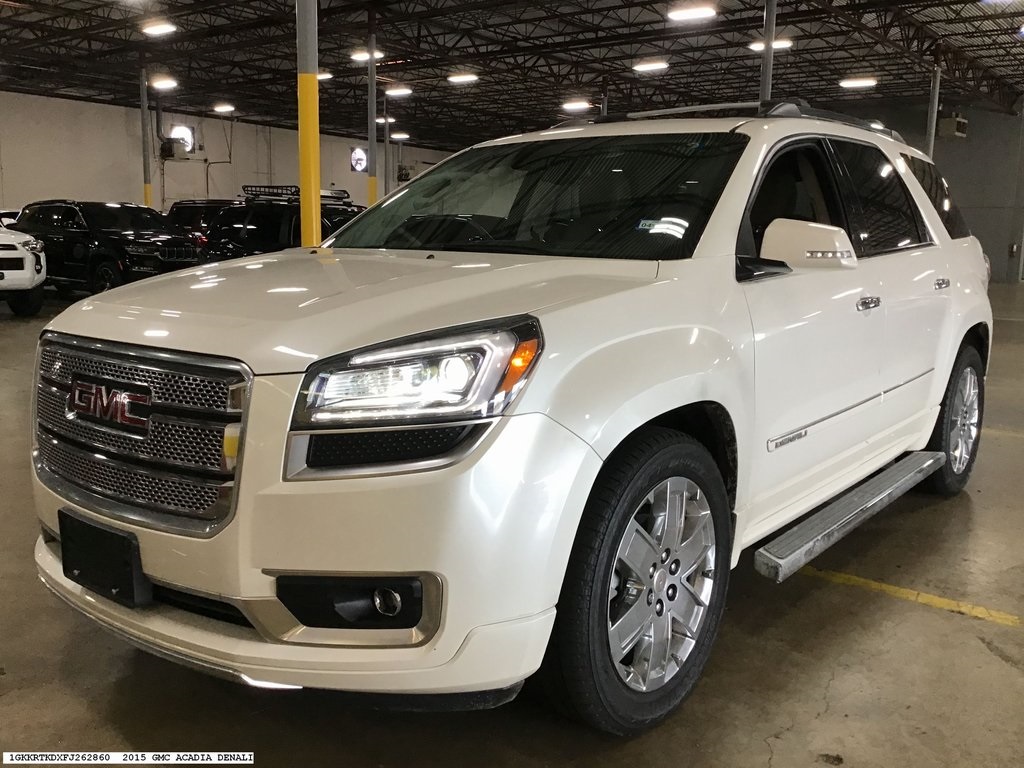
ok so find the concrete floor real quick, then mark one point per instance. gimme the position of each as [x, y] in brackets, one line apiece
[808, 673]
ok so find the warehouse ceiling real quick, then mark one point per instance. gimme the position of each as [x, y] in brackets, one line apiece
[530, 56]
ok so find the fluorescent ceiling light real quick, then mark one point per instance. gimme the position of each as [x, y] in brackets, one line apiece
[777, 45]
[381, 120]
[223, 108]
[398, 90]
[163, 82]
[323, 74]
[158, 27]
[463, 77]
[650, 66]
[858, 82]
[692, 13]
[400, 136]
[365, 55]
[576, 105]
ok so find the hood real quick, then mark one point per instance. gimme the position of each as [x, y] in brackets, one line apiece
[145, 237]
[280, 312]
[10, 236]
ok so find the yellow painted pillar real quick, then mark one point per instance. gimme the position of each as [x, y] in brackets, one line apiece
[309, 121]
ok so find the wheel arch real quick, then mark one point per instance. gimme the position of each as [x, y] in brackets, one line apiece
[980, 337]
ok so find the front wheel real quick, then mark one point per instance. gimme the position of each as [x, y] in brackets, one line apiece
[958, 429]
[645, 588]
[27, 303]
[105, 275]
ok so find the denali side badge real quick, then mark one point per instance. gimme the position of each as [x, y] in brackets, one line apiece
[781, 442]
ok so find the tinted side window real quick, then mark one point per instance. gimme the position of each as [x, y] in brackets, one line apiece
[938, 192]
[31, 215]
[888, 220]
[267, 227]
[797, 185]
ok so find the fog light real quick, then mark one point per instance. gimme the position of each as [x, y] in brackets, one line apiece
[387, 601]
[353, 602]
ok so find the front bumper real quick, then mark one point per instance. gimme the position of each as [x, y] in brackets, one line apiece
[494, 529]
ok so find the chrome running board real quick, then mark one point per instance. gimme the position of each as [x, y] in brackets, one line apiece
[785, 555]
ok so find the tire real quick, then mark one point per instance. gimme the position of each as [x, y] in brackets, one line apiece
[106, 274]
[27, 303]
[579, 672]
[957, 431]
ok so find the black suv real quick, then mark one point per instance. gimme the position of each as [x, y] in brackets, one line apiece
[270, 221]
[196, 216]
[102, 245]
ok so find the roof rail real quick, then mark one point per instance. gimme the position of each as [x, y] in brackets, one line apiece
[791, 107]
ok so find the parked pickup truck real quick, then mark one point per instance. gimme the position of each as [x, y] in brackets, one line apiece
[522, 416]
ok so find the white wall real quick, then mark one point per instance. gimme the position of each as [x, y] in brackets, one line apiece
[58, 148]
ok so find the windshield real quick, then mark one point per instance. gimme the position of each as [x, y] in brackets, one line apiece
[122, 217]
[616, 197]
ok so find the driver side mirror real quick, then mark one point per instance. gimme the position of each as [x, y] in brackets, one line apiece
[807, 245]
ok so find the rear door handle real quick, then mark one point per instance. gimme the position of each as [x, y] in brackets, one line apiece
[942, 284]
[868, 302]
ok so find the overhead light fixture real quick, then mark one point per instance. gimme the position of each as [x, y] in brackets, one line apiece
[398, 90]
[381, 120]
[163, 82]
[650, 66]
[158, 27]
[858, 82]
[223, 108]
[777, 45]
[576, 105]
[460, 78]
[692, 12]
[323, 74]
[399, 135]
[365, 55]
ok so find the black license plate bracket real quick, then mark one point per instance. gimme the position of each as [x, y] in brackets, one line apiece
[103, 559]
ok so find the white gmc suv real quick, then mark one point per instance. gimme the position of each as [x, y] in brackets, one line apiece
[520, 417]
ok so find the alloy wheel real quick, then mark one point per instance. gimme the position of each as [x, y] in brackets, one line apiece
[661, 584]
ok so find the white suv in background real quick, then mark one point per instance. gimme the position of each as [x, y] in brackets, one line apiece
[522, 415]
[22, 272]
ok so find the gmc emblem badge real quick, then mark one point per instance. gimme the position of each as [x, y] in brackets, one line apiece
[124, 405]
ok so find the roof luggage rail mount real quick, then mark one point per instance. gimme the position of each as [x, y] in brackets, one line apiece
[288, 192]
[789, 107]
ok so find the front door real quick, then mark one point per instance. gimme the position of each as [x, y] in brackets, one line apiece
[817, 349]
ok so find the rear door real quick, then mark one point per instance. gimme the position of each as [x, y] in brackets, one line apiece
[816, 354]
[916, 287]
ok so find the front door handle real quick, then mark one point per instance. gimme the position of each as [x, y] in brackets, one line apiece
[942, 284]
[868, 302]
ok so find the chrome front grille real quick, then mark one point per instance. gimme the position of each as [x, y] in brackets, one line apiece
[123, 482]
[196, 446]
[175, 472]
[181, 388]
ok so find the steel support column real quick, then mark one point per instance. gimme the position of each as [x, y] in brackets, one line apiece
[768, 54]
[387, 150]
[371, 112]
[309, 120]
[147, 150]
[933, 111]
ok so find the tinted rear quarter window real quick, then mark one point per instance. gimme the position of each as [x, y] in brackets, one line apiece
[938, 192]
[886, 219]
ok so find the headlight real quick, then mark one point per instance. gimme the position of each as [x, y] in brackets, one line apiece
[33, 245]
[141, 250]
[462, 373]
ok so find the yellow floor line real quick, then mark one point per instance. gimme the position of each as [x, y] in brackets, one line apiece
[1002, 432]
[913, 596]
